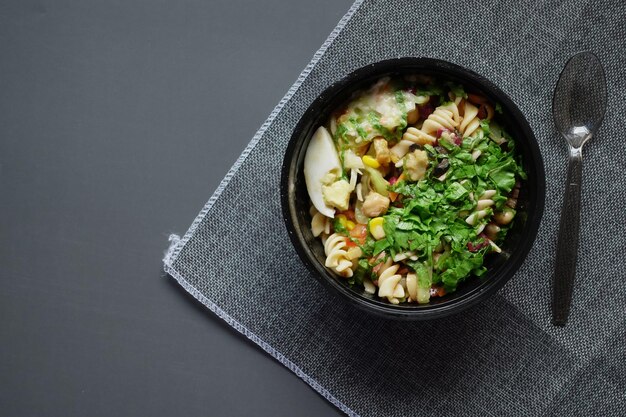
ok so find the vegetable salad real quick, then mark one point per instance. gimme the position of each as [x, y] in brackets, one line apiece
[412, 184]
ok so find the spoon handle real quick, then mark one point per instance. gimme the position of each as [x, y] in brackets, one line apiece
[567, 244]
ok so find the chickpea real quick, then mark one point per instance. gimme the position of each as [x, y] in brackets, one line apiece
[492, 230]
[505, 216]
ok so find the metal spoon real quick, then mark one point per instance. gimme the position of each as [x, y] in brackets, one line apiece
[578, 108]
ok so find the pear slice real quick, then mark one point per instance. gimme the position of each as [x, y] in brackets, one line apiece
[321, 158]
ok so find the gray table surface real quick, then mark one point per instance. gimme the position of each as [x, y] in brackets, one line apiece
[118, 119]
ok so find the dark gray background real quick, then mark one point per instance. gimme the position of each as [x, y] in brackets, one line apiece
[118, 119]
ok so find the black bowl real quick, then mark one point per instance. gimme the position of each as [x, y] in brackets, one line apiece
[519, 240]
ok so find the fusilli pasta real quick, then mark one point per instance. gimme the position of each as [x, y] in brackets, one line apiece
[389, 282]
[338, 256]
[444, 117]
[470, 121]
[319, 223]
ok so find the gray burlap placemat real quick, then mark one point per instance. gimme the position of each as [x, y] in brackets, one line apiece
[500, 358]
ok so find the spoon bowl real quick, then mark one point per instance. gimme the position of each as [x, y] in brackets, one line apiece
[579, 101]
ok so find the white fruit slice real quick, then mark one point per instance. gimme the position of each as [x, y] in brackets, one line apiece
[320, 159]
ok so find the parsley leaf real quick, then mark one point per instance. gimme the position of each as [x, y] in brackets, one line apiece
[456, 192]
[380, 246]
[484, 125]
[339, 228]
[503, 175]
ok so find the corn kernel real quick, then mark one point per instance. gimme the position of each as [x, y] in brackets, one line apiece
[370, 161]
[376, 228]
[350, 225]
[376, 221]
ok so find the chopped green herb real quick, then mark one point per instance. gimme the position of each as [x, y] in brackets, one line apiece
[338, 227]
[399, 97]
[456, 192]
[484, 125]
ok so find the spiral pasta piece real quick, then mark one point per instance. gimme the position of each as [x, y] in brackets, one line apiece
[339, 257]
[445, 117]
[319, 223]
[389, 285]
[470, 122]
[415, 135]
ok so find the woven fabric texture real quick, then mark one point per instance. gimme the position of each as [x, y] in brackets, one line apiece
[502, 357]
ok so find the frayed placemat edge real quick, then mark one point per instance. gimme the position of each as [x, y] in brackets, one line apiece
[177, 244]
[261, 343]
